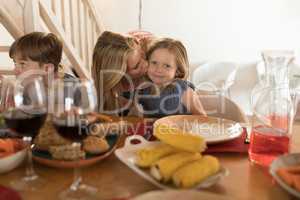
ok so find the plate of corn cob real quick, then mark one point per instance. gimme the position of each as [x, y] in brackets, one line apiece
[174, 162]
[213, 129]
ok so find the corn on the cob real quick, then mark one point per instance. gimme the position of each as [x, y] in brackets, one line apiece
[179, 139]
[146, 157]
[195, 172]
[164, 168]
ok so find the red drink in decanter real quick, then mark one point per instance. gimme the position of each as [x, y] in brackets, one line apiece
[267, 143]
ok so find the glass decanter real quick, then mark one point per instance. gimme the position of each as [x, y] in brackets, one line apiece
[272, 109]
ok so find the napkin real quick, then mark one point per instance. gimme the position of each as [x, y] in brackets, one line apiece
[7, 193]
[236, 145]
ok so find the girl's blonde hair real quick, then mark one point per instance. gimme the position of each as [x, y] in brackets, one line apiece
[109, 66]
[40, 47]
[177, 48]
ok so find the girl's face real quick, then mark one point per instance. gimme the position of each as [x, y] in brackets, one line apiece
[136, 63]
[162, 67]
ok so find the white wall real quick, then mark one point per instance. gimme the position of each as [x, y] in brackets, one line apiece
[212, 29]
[5, 40]
[235, 30]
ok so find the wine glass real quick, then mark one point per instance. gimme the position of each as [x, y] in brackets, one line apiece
[24, 108]
[73, 101]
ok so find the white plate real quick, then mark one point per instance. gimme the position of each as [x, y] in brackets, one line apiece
[213, 129]
[127, 155]
[225, 132]
[186, 194]
[285, 161]
[12, 161]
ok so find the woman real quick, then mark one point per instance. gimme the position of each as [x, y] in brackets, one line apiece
[118, 67]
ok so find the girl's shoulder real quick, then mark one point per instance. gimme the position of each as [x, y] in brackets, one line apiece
[182, 85]
[176, 87]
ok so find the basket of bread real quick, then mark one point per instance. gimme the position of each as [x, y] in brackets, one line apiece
[175, 161]
[56, 151]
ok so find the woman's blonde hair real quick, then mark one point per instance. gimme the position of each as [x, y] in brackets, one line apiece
[109, 66]
[177, 48]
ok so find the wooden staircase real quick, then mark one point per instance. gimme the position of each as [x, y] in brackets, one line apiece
[75, 21]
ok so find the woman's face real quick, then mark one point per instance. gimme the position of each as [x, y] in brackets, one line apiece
[162, 67]
[136, 63]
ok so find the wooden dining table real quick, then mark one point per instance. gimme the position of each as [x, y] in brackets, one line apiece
[114, 180]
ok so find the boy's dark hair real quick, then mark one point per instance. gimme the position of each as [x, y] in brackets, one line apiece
[38, 46]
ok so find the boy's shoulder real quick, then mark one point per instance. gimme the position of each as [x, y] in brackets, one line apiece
[67, 76]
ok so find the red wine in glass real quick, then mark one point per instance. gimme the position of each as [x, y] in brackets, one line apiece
[24, 108]
[74, 99]
[74, 132]
[23, 123]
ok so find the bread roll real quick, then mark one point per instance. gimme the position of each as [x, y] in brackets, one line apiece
[95, 145]
[67, 152]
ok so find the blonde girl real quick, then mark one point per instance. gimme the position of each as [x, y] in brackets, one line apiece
[170, 93]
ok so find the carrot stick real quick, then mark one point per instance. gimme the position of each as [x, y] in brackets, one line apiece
[7, 145]
[296, 179]
[293, 169]
[286, 176]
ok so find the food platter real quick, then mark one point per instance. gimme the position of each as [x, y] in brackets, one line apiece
[45, 158]
[127, 155]
[48, 137]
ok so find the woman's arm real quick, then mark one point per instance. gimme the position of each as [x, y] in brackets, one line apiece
[192, 102]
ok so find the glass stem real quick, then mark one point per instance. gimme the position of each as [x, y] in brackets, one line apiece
[77, 179]
[30, 173]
